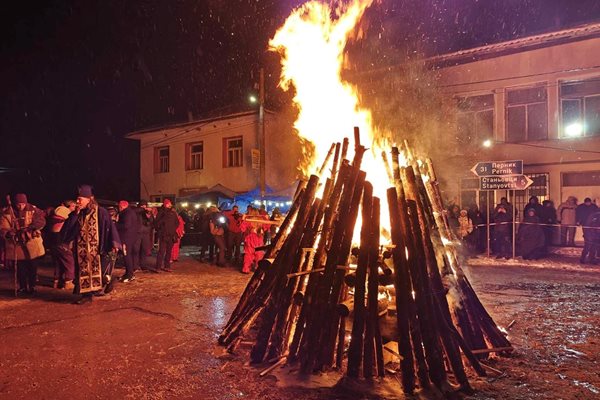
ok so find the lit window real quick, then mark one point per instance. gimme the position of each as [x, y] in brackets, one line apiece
[161, 159]
[580, 108]
[233, 148]
[526, 114]
[195, 156]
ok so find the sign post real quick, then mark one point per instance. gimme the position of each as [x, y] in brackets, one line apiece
[501, 175]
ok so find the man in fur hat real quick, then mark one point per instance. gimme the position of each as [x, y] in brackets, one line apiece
[21, 226]
[94, 237]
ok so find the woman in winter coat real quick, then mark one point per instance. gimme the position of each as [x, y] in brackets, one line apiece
[567, 218]
[531, 238]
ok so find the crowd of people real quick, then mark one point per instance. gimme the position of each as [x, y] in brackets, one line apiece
[536, 231]
[85, 240]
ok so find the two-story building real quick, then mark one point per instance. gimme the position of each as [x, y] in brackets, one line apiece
[535, 99]
[217, 155]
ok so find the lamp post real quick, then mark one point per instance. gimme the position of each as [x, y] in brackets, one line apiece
[261, 132]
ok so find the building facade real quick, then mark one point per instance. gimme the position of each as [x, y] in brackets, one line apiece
[535, 99]
[220, 153]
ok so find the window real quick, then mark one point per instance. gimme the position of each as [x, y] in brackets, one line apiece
[526, 114]
[475, 119]
[195, 156]
[161, 159]
[580, 108]
[588, 178]
[233, 152]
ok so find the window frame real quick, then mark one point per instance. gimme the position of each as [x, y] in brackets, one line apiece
[229, 154]
[581, 99]
[473, 114]
[190, 165]
[158, 160]
[526, 106]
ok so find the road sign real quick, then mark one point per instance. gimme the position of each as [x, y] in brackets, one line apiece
[498, 168]
[510, 182]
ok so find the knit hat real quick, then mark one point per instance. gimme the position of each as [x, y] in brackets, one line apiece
[167, 202]
[62, 212]
[123, 203]
[85, 191]
[20, 198]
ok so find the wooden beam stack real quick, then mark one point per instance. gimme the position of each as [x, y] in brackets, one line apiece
[306, 299]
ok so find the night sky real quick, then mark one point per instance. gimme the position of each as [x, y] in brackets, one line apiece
[77, 75]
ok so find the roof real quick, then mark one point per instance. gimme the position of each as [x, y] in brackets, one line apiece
[582, 32]
[221, 114]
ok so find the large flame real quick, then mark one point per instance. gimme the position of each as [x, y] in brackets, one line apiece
[311, 44]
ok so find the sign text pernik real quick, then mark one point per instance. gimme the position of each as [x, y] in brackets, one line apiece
[498, 168]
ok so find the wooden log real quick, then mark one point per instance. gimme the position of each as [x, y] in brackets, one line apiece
[424, 303]
[382, 278]
[345, 145]
[311, 308]
[375, 235]
[326, 161]
[355, 350]
[349, 213]
[284, 263]
[493, 350]
[282, 233]
[403, 294]
[347, 307]
[285, 316]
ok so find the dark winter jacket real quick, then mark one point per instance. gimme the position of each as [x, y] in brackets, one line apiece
[547, 215]
[593, 233]
[107, 231]
[584, 211]
[530, 239]
[129, 226]
[166, 224]
[503, 224]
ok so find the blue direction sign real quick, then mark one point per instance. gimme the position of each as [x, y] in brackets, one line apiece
[509, 182]
[498, 168]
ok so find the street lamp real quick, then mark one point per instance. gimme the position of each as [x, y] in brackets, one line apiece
[574, 130]
[252, 99]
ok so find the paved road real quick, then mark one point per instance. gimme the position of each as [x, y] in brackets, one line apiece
[155, 338]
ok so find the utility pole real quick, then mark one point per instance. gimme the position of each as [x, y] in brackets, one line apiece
[261, 133]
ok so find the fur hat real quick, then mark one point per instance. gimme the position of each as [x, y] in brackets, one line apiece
[62, 212]
[85, 191]
[20, 198]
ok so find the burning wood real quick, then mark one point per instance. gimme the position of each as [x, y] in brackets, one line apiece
[307, 301]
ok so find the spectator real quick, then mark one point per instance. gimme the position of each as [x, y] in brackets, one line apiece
[465, 230]
[21, 226]
[177, 244]
[566, 216]
[502, 232]
[277, 217]
[166, 224]
[129, 228]
[530, 238]
[217, 224]
[479, 231]
[591, 247]
[583, 212]
[453, 214]
[234, 234]
[508, 208]
[252, 240]
[62, 252]
[146, 221]
[548, 219]
[534, 204]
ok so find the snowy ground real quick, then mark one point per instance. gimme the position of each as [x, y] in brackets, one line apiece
[155, 338]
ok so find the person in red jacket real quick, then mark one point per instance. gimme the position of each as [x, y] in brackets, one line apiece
[252, 240]
[235, 236]
[176, 245]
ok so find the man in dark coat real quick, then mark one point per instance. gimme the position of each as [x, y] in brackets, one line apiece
[591, 245]
[146, 223]
[95, 242]
[166, 228]
[503, 233]
[534, 204]
[548, 219]
[129, 226]
[20, 226]
[531, 237]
